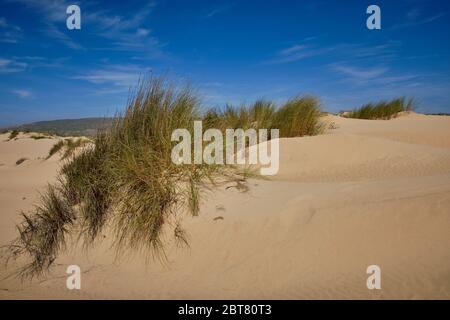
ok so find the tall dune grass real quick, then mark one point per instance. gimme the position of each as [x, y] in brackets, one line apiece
[55, 148]
[13, 134]
[43, 233]
[68, 145]
[126, 180]
[382, 110]
[298, 117]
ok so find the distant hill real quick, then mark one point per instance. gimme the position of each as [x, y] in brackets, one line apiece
[67, 127]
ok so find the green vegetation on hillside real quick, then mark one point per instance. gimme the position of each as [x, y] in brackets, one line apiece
[67, 127]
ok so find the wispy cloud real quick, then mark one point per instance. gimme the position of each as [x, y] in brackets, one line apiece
[414, 18]
[298, 52]
[114, 78]
[9, 33]
[12, 66]
[380, 75]
[5, 24]
[413, 14]
[124, 32]
[42, 62]
[361, 51]
[53, 17]
[22, 93]
[142, 32]
[218, 10]
[367, 51]
[361, 74]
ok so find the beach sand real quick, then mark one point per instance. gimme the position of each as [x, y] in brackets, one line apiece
[368, 192]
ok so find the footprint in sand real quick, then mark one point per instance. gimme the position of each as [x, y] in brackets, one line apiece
[240, 186]
[220, 208]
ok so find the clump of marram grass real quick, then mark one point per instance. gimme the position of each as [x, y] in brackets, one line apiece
[262, 113]
[39, 136]
[297, 117]
[55, 148]
[153, 188]
[384, 110]
[126, 180]
[68, 145]
[13, 134]
[71, 145]
[42, 234]
[257, 116]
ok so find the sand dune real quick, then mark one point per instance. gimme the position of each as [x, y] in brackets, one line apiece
[368, 192]
[351, 157]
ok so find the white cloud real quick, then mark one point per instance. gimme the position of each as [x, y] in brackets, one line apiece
[380, 77]
[412, 20]
[53, 14]
[9, 33]
[115, 77]
[217, 10]
[21, 93]
[413, 14]
[142, 32]
[125, 32]
[361, 73]
[293, 49]
[5, 24]
[12, 66]
[298, 52]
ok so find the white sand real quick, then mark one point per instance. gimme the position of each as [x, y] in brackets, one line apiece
[368, 192]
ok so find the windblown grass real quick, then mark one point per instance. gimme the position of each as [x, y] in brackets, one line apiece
[257, 116]
[73, 144]
[68, 145]
[382, 110]
[43, 233]
[126, 180]
[13, 134]
[55, 148]
[297, 117]
[39, 137]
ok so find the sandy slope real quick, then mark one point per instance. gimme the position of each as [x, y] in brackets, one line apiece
[368, 192]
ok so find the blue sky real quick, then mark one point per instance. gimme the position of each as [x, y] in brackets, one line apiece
[231, 51]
